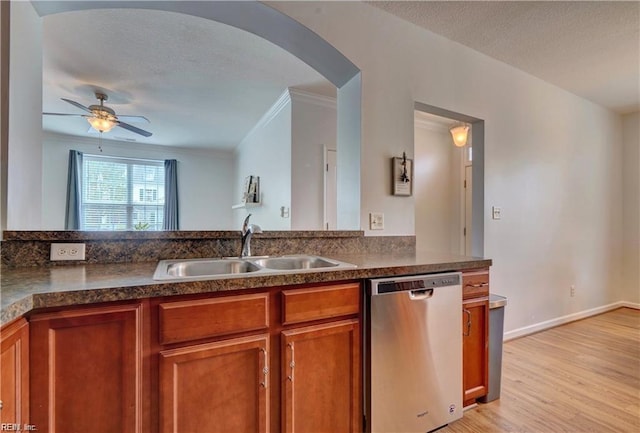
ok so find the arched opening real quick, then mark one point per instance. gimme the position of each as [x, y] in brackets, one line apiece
[287, 33]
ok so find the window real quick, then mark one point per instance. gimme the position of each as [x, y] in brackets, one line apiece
[148, 195]
[122, 194]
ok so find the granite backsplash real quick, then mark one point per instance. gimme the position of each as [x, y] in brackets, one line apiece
[32, 248]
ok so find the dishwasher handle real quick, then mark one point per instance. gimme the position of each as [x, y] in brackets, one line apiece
[420, 294]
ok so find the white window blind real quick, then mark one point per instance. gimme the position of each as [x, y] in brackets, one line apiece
[122, 193]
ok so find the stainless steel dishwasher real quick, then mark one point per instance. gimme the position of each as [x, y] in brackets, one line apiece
[413, 341]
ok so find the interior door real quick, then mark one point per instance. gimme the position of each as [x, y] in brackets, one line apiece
[330, 190]
[468, 188]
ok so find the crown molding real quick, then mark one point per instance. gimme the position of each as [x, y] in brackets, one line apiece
[287, 97]
[298, 95]
[283, 100]
[430, 125]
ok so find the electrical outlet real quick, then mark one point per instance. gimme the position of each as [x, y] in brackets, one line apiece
[376, 221]
[497, 212]
[67, 252]
[572, 291]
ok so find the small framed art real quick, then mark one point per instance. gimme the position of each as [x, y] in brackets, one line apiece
[402, 175]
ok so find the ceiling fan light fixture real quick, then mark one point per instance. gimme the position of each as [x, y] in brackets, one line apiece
[101, 124]
[460, 134]
[104, 119]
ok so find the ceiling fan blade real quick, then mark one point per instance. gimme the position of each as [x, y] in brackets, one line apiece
[133, 119]
[134, 129]
[62, 114]
[77, 104]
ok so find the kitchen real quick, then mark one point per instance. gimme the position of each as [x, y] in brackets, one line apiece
[535, 261]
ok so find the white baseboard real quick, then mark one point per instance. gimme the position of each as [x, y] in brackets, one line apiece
[537, 327]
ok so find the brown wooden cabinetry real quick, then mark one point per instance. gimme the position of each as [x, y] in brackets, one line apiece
[14, 373]
[282, 360]
[271, 360]
[217, 387]
[191, 320]
[475, 340]
[321, 378]
[216, 379]
[87, 370]
[321, 362]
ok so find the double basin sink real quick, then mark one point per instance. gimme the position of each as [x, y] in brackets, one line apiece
[247, 266]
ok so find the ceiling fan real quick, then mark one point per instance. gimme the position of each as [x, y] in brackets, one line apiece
[104, 119]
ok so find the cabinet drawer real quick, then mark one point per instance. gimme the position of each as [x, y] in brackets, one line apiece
[303, 305]
[193, 320]
[475, 284]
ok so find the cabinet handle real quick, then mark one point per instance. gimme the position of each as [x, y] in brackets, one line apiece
[265, 369]
[468, 313]
[292, 364]
[477, 285]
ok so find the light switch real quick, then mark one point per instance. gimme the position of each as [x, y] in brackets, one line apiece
[376, 221]
[497, 212]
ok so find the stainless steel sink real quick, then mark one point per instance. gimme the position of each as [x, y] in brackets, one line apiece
[296, 262]
[169, 269]
[235, 266]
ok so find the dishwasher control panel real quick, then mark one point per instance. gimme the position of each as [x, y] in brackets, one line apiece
[381, 286]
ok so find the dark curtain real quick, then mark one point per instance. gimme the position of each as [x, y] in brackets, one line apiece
[72, 218]
[170, 195]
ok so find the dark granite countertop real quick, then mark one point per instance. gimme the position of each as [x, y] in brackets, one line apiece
[23, 289]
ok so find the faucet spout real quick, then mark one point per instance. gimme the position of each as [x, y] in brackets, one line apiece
[247, 231]
[245, 224]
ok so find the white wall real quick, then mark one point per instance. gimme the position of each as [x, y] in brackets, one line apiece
[4, 109]
[313, 127]
[631, 209]
[24, 178]
[437, 189]
[266, 152]
[553, 160]
[348, 154]
[286, 149]
[202, 204]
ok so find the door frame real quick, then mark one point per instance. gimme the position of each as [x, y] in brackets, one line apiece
[477, 138]
[330, 218]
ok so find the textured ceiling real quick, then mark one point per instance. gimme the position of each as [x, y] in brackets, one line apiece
[199, 82]
[591, 49]
[203, 84]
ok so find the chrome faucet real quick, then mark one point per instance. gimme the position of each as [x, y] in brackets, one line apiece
[247, 231]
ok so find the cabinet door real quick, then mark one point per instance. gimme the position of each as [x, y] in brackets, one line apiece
[14, 373]
[217, 387]
[475, 350]
[321, 377]
[86, 370]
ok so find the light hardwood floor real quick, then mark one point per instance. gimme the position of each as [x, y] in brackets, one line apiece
[580, 377]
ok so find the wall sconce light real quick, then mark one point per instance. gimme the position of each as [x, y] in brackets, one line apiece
[460, 134]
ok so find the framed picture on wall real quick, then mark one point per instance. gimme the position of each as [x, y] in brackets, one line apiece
[251, 192]
[402, 175]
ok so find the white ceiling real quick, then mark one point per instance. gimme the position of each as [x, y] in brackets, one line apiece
[204, 84]
[199, 82]
[590, 48]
